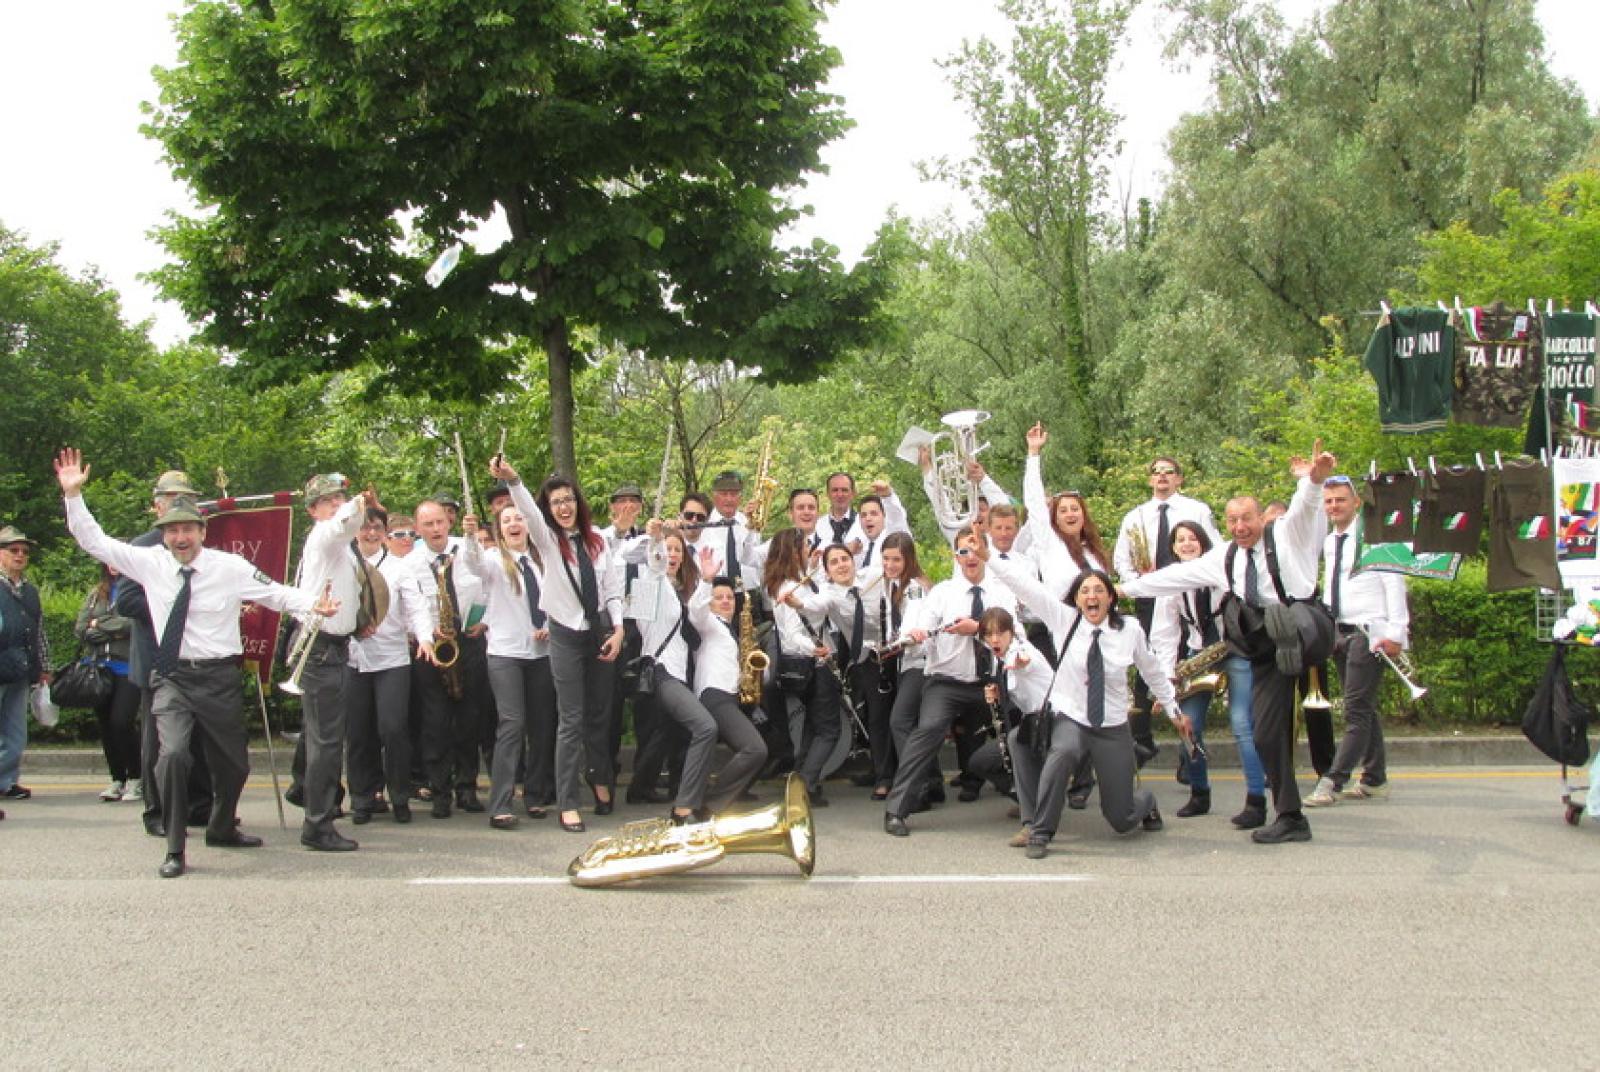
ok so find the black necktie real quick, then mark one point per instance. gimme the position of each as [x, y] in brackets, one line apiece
[1338, 570]
[980, 653]
[691, 640]
[858, 626]
[1163, 540]
[172, 633]
[587, 584]
[730, 564]
[866, 559]
[447, 583]
[840, 527]
[530, 587]
[1208, 623]
[1252, 580]
[1096, 665]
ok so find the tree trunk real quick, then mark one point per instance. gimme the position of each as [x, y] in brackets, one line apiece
[558, 351]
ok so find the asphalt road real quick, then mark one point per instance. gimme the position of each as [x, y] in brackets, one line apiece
[1452, 925]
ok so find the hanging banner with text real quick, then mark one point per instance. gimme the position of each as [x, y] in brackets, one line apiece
[261, 535]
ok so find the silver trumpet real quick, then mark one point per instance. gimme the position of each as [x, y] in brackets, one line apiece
[304, 640]
[1402, 668]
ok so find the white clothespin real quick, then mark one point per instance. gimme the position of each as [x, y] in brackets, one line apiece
[1383, 305]
[1443, 308]
[1497, 463]
[1549, 306]
[1372, 469]
[1533, 310]
[1411, 466]
[1433, 467]
[1479, 457]
[1544, 456]
[1590, 308]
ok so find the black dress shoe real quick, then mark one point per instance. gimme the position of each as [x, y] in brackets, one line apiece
[1253, 816]
[935, 794]
[402, 813]
[504, 822]
[574, 827]
[18, 791]
[1077, 801]
[896, 826]
[296, 796]
[155, 827]
[537, 811]
[1152, 822]
[441, 806]
[172, 866]
[817, 798]
[1284, 828]
[233, 839]
[605, 807]
[361, 817]
[467, 799]
[967, 794]
[328, 841]
[1199, 804]
[379, 807]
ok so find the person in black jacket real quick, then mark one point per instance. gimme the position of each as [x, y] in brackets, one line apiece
[24, 656]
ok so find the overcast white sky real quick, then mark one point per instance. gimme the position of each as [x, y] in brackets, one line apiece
[77, 171]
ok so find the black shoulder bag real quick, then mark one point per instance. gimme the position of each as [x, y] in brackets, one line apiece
[1034, 733]
[644, 667]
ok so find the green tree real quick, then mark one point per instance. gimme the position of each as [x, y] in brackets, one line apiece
[639, 153]
[60, 334]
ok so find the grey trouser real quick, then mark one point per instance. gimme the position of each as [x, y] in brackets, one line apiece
[322, 731]
[583, 703]
[673, 699]
[1042, 790]
[943, 700]
[736, 731]
[206, 696]
[1360, 677]
[903, 715]
[377, 724]
[519, 687]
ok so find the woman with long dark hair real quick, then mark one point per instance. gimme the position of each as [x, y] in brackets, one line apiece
[800, 621]
[106, 636]
[586, 635]
[1090, 702]
[1064, 538]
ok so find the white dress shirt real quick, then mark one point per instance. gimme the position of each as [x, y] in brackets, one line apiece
[326, 559]
[948, 654]
[559, 598]
[220, 583]
[387, 648]
[419, 567]
[716, 664]
[894, 520]
[1147, 515]
[1028, 675]
[1375, 601]
[799, 630]
[508, 616]
[913, 657]
[665, 624]
[842, 610]
[1298, 535]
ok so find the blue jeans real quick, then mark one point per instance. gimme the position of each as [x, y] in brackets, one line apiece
[1240, 722]
[13, 731]
[1239, 681]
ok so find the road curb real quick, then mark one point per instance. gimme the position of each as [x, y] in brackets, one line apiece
[1440, 751]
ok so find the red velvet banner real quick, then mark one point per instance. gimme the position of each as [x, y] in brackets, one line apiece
[262, 536]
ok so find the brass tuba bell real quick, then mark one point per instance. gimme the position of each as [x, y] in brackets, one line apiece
[655, 847]
[1314, 700]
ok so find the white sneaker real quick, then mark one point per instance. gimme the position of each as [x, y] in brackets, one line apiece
[1323, 795]
[1358, 790]
[112, 792]
[133, 791]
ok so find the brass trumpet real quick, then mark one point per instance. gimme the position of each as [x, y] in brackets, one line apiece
[300, 653]
[655, 847]
[1402, 668]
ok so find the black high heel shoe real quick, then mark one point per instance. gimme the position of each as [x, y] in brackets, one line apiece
[575, 826]
[603, 807]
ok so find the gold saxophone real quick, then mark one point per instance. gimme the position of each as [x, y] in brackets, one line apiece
[753, 662]
[1139, 548]
[652, 847]
[446, 648]
[1196, 674]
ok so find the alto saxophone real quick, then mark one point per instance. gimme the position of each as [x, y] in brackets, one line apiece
[753, 662]
[446, 647]
[1196, 674]
[1139, 547]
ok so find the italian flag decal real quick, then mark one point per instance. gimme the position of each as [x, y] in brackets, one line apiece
[1456, 522]
[1394, 517]
[1535, 528]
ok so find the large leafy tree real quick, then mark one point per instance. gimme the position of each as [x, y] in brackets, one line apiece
[639, 153]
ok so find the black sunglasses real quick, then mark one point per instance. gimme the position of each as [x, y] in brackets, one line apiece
[689, 515]
[403, 534]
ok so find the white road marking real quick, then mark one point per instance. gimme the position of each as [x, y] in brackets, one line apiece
[824, 880]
